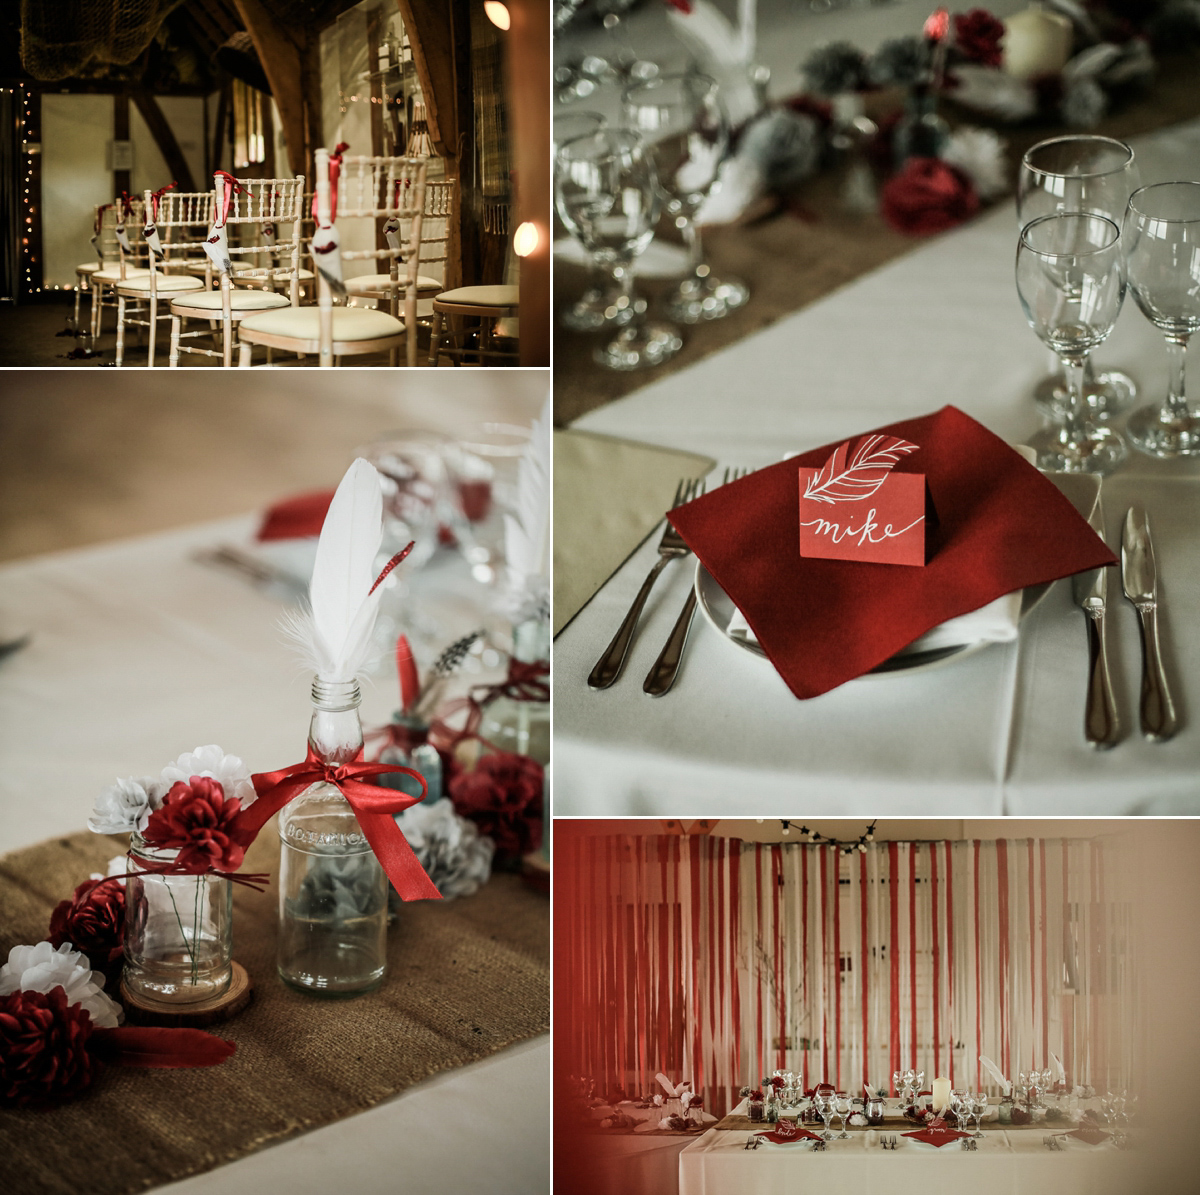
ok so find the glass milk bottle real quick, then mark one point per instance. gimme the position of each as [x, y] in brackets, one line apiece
[523, 726]
[332, 890]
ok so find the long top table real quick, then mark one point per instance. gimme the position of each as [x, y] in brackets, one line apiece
[138, 654]
[999, 732]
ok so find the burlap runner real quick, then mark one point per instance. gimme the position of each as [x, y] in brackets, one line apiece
[789, 263]
[465, 979]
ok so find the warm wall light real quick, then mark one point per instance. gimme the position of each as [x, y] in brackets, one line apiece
[526, 239]
[497, 13]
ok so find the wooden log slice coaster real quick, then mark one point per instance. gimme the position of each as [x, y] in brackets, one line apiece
[142, 1010]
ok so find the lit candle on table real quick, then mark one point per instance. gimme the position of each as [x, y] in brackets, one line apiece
[941, 1095]
[1036, 42]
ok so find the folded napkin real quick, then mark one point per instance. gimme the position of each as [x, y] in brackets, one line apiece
[937, 1137]
[1002, 527]
[297, 517]
[783, 1134]
[1091, 1136]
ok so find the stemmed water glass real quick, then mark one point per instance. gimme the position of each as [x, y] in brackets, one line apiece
[826, 1106]
[606, 193]
[1079, 173]
[1071, 286]
[842, 1105]
[978, 1106]
[685, 125]
[598, 304]
[1162, 260]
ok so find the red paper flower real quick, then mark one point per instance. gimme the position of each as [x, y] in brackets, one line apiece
[503, 797]
[93, 921]
[977, 37]
[684, 6]
[197, 819]
[928, 196]
[43, 1048]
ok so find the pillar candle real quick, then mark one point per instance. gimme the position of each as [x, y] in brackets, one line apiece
[1036, 42]
[941, 1095]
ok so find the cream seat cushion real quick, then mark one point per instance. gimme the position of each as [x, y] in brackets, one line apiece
[481, 296]
[349, 323]
[238, 270]
[113, 273]
[239, 300]
[381, 282]
[162, 283]
[89, 267]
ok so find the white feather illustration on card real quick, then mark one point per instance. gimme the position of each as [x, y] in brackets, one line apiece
[852, 476]
[527, 529]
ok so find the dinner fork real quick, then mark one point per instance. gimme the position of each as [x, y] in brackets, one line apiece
[661, 677]
[670, 547]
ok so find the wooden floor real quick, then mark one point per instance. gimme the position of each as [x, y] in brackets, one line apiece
[86, 457]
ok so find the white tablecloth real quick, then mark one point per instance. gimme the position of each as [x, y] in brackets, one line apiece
[138, 654]
[999, 732]
[1010, 1163]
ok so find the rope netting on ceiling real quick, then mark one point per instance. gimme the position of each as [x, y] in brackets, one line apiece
[74, 38]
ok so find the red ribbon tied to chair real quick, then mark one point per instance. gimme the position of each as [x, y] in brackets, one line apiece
[229, 187]
[373, 805]
[335, 170]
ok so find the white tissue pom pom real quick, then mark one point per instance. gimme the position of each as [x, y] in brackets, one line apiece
[739, 184]
[41, 968]
[456, 857]
[227, 770]
[118, 865]
[858, 1120]
[125, 806]
[979, 154]
[658, 1101]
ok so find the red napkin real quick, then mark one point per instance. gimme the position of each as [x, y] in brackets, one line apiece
[1091, 1136]
[296, 518]
[937, 1137]
[786, 1135]
[1002, 526]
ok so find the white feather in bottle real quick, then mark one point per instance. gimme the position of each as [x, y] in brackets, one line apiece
[527, 530]
[993, 1070]
[335, 632]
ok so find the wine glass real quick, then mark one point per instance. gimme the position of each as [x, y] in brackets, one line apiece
[960, 1104]
[685, 125]
[1081, 173]
[842, 1104]
[1071, 286]
[898, 1084]
[606, 193]
[598, 305]
[1162, 260]
[825, 1106]
[979, 1105]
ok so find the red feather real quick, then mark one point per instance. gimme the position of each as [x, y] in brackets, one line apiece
[406, 666]
[135, 1046]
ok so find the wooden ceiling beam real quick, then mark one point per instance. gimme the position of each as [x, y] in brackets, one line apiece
[283, 63]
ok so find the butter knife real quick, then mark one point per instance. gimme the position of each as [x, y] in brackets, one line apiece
[1101, 725]
[1141, 588]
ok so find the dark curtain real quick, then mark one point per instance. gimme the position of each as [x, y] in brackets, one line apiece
[10, 195]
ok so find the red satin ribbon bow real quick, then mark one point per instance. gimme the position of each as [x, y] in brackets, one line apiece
[373, 805]
[229, 187]
[335, 170]
[156, 196]
[124, 206]
[100, 217]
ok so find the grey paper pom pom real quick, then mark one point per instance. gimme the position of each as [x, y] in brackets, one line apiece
[457, 858]
[1084, 104]
[899, 62]
[834, 68]
[785, 146]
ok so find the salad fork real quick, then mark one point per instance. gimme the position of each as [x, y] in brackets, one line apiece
[670, 547]
[661, 677]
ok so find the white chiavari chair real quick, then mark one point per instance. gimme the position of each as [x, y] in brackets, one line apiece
[488, 304]
[124, 253]
[438, 218]
[359, 188]
[181, 220]
[254, 205]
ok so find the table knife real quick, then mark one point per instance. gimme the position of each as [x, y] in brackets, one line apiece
[1141, 587]
[1101, 725]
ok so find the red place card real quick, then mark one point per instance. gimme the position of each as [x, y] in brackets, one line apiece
[856, 508]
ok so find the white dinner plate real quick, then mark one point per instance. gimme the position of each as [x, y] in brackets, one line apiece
[718, 608]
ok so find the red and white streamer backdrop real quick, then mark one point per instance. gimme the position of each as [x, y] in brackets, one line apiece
[719, 961]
